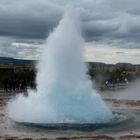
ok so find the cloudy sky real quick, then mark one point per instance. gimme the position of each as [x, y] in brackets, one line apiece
[111, 28]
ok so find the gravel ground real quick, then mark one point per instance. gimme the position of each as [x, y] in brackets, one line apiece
[11, 131]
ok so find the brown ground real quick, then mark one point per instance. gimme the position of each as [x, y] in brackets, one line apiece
[10, 131]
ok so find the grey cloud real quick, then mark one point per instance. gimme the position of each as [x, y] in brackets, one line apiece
[28, 18]
[99, 29]
[5, 47]
[107, 21]
[20, 48]
[120, 52]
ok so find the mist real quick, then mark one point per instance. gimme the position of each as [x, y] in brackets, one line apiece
[132, 92]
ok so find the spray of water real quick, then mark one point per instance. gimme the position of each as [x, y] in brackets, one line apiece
[64, 93]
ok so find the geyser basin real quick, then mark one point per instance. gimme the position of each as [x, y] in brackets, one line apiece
[119, 119]
[64, 92]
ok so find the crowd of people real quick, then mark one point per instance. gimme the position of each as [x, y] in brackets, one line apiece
[115, 84]
[14, 85]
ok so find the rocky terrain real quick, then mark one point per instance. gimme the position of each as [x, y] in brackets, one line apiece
[9, 130]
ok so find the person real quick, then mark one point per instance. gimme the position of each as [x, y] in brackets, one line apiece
[5, 83]
[24, 84]
[17, 84]
[10, 85]
[113, 83]
[126, 80]
[13, 85]
[106, 83]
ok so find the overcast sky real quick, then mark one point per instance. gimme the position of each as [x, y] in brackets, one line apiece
[111, 28]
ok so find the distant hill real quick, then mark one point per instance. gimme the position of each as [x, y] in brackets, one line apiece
[22, 61]
[16, 61]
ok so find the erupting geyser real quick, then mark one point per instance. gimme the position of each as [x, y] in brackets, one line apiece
[64, 93]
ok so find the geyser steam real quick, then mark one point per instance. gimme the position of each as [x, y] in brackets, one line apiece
[64, 93]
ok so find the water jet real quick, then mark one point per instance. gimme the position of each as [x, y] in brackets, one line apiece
[64, 92]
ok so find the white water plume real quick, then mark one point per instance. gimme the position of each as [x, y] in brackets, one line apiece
[64, 92]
